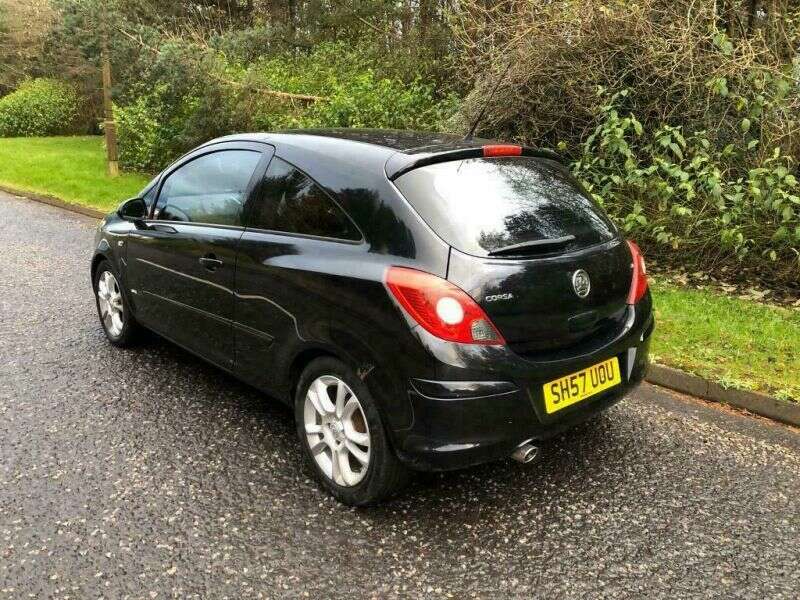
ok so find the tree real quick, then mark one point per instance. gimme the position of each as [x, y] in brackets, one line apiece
[24, 25]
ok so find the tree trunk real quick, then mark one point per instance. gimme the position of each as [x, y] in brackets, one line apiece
[407, 19]
[291, 7]
[425, 17]
[109, 127]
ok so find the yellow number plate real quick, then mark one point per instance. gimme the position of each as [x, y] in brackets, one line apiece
[573, 388]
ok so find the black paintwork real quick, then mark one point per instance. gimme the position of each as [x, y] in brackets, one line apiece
[270, 302]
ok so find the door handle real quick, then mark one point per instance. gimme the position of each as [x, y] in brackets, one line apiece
[210, 262]
[162, 228]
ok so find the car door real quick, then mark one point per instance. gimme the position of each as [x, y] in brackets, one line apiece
[182, 262]
[286, 270]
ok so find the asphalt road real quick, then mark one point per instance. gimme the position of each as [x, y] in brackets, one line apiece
[148, 474]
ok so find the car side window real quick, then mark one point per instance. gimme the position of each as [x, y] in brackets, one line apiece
[291, 202]
[209, 189]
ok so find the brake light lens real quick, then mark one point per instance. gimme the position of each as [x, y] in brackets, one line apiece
[493, 150]
[639, 277]
[441, 308]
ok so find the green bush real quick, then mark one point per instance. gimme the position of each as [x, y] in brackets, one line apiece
[193, 97]
[39, 107]
[145, 132]
[363, 102]
[184, 99]
[691, 202]
[355, 95]
[370, 102]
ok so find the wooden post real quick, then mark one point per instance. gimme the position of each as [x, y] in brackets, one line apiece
[109, 127]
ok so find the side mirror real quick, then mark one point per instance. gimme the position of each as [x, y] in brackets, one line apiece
[134, 210]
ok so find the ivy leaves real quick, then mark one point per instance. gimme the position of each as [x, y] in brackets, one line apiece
[683, 192]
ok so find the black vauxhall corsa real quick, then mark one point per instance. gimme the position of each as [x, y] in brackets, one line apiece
[424, 302]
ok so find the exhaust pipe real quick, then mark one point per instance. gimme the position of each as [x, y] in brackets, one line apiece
[525, 452]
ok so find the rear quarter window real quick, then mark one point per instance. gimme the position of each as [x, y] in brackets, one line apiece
[481, 205]
[293, 203]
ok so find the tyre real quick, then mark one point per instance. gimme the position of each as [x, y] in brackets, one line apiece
[343, 437]
[119, 325]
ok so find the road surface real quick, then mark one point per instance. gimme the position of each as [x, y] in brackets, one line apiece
[148, 474]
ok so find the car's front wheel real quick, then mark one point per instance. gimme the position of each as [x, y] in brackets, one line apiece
[342, 435]
[118, 323]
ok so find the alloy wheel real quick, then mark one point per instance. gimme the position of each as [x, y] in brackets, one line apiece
[109, 297]
[337, 430]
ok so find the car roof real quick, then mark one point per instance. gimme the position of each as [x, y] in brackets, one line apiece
[385, 141]
[396, 150]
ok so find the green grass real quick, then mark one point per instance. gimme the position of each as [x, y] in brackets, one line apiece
[70, 168]
[737, 343]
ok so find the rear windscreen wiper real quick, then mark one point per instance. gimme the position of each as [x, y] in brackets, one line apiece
[533, 246]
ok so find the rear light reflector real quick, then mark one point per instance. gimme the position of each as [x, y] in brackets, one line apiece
[639, 276]
[440, 307]
[493, 150]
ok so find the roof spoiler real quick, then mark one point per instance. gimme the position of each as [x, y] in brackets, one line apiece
[400, 163]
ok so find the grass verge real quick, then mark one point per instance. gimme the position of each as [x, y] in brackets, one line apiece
[736, 343]
[70, 168]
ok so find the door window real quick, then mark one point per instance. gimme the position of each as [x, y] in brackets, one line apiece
[210, 189]
[293, 203]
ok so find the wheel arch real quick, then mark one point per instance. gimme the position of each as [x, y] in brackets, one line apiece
[96, 260]
[101, 254]
[304, 358]
[394, 409]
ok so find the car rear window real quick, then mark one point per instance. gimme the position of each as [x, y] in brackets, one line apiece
[481, 205]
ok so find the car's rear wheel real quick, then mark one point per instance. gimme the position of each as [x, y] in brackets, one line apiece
[118, 323]
[342, 435]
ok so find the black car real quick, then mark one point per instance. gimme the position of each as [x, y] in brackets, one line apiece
[423, 302]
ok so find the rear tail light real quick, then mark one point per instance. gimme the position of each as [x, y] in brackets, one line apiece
[639, 277]
[441, 308]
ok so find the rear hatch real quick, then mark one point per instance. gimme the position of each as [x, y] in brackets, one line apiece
[520, 228]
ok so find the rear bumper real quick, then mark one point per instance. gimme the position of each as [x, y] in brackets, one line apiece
[463, 420]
